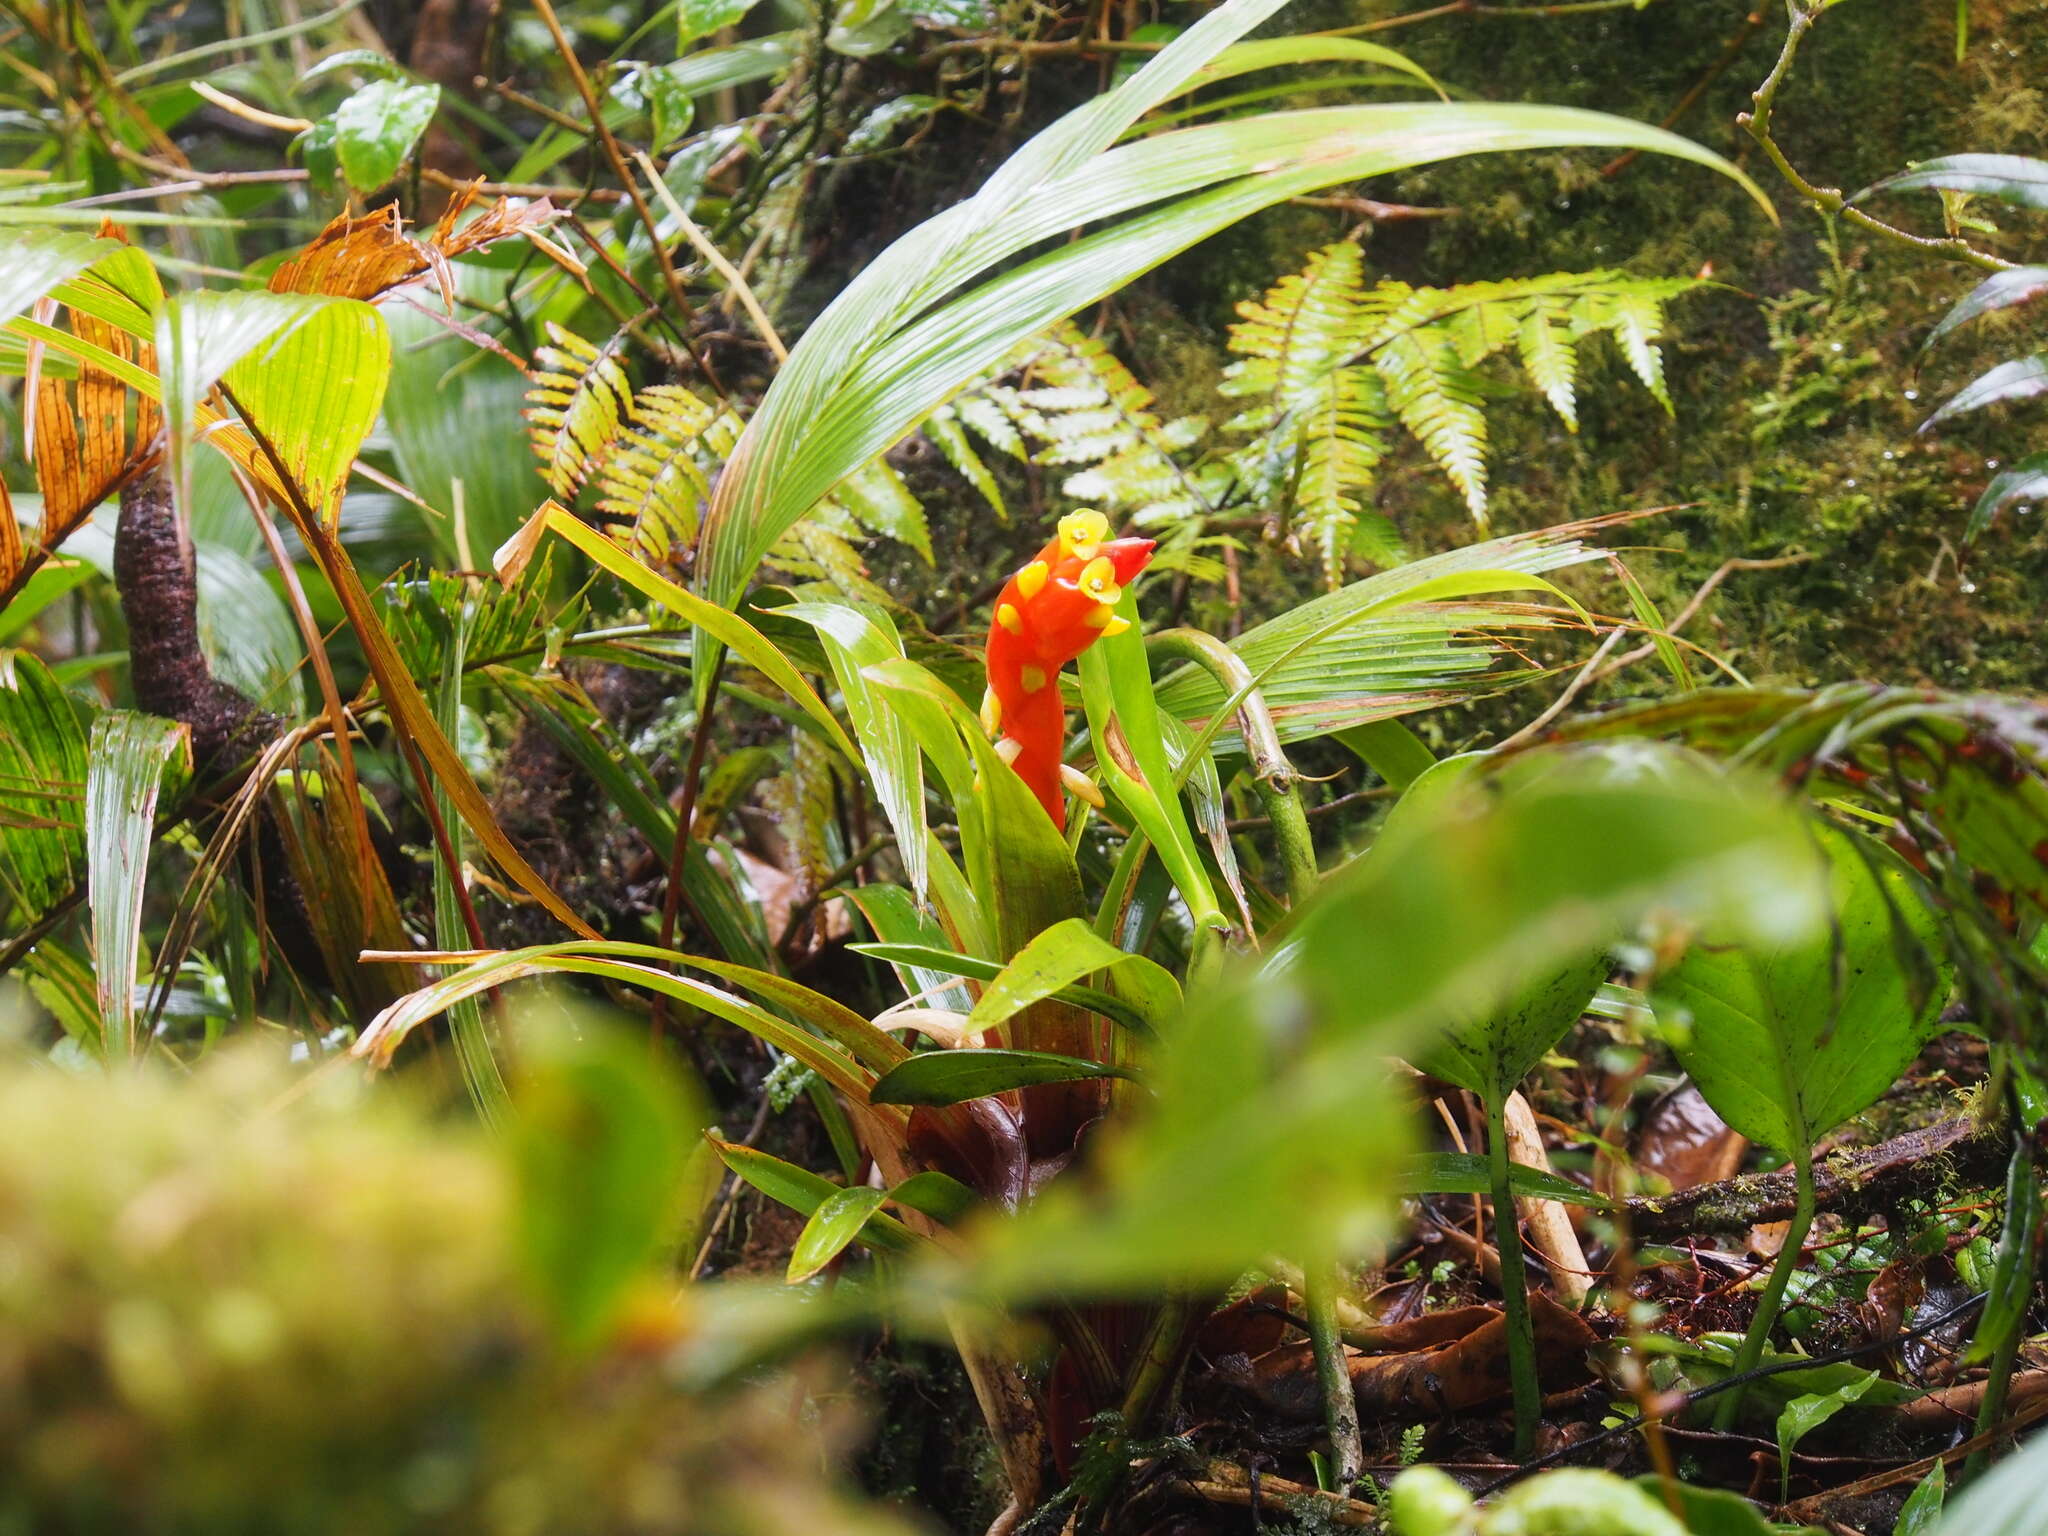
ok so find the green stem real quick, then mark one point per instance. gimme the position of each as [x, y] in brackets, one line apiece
[1514, 1283]
[1273, 776]
[2012, 1278]
[1340, 1402]
[1773, 1297]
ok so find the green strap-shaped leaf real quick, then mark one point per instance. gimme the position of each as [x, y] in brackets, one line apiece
[924, 958]
[854, 640]
[1130, 751]
[833, 1226]
[1061, 956]
[494, 968]
[939, 1078]
[1465, 1173]
[729, 628]
[132, 755]
[804, 1192]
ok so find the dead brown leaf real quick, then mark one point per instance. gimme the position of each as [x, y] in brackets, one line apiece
[361, 258]
[1465, 1365]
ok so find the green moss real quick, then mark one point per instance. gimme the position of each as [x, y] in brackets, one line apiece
[234, 1301]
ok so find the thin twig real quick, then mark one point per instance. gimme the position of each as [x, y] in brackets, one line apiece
[1571, 690]
[618, 159]
[233, 44]
[735, 283]
[1693, 605]
[1829, 200]
[686, 812]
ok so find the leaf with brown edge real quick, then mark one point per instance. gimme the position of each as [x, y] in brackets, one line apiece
[82, 445]
[11, 556]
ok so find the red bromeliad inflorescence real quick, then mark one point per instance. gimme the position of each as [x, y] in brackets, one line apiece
[1049, 613]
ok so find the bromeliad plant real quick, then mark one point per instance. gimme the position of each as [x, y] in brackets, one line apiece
[1038, 967]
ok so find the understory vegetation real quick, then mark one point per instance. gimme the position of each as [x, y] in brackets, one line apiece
[905, 765]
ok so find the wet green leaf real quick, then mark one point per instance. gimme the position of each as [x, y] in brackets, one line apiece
[953, 1077]
[376, 128]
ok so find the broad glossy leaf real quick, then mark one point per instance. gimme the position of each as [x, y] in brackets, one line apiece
[1788, 1040]
[1466, 1173]
[1062, 955]
[1921, 1513]
[2001, 290]
[2012, 178]
[133, 755]
[1272, 1116]
[804, 1192]
[937, 1195]
[832, 1228]
[700, 18]
[953, 1077]
[598, 1142]
[1391, 750]
[2020, 379]
[1803, 1415]
[246, 630]
[1488, 1048]
[2006, 1501]
[376, 128]
[314, 390]
[1712, 1511]
[199, 337]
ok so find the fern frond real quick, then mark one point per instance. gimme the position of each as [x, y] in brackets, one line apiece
[578, 397]
[878, 501]
[1078, 404]
[657, 478]
[1544, 342]
[943, 430]
[1341, 441]
[1634, 317]
[1290, 338]
[819, 550]
[1437, 398]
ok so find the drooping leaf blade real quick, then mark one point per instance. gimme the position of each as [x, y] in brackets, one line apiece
[132, 757]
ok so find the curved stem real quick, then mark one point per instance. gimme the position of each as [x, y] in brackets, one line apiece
[1514, 1284]
[1273, 776]
[1774, 1291]
[1829, 200]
